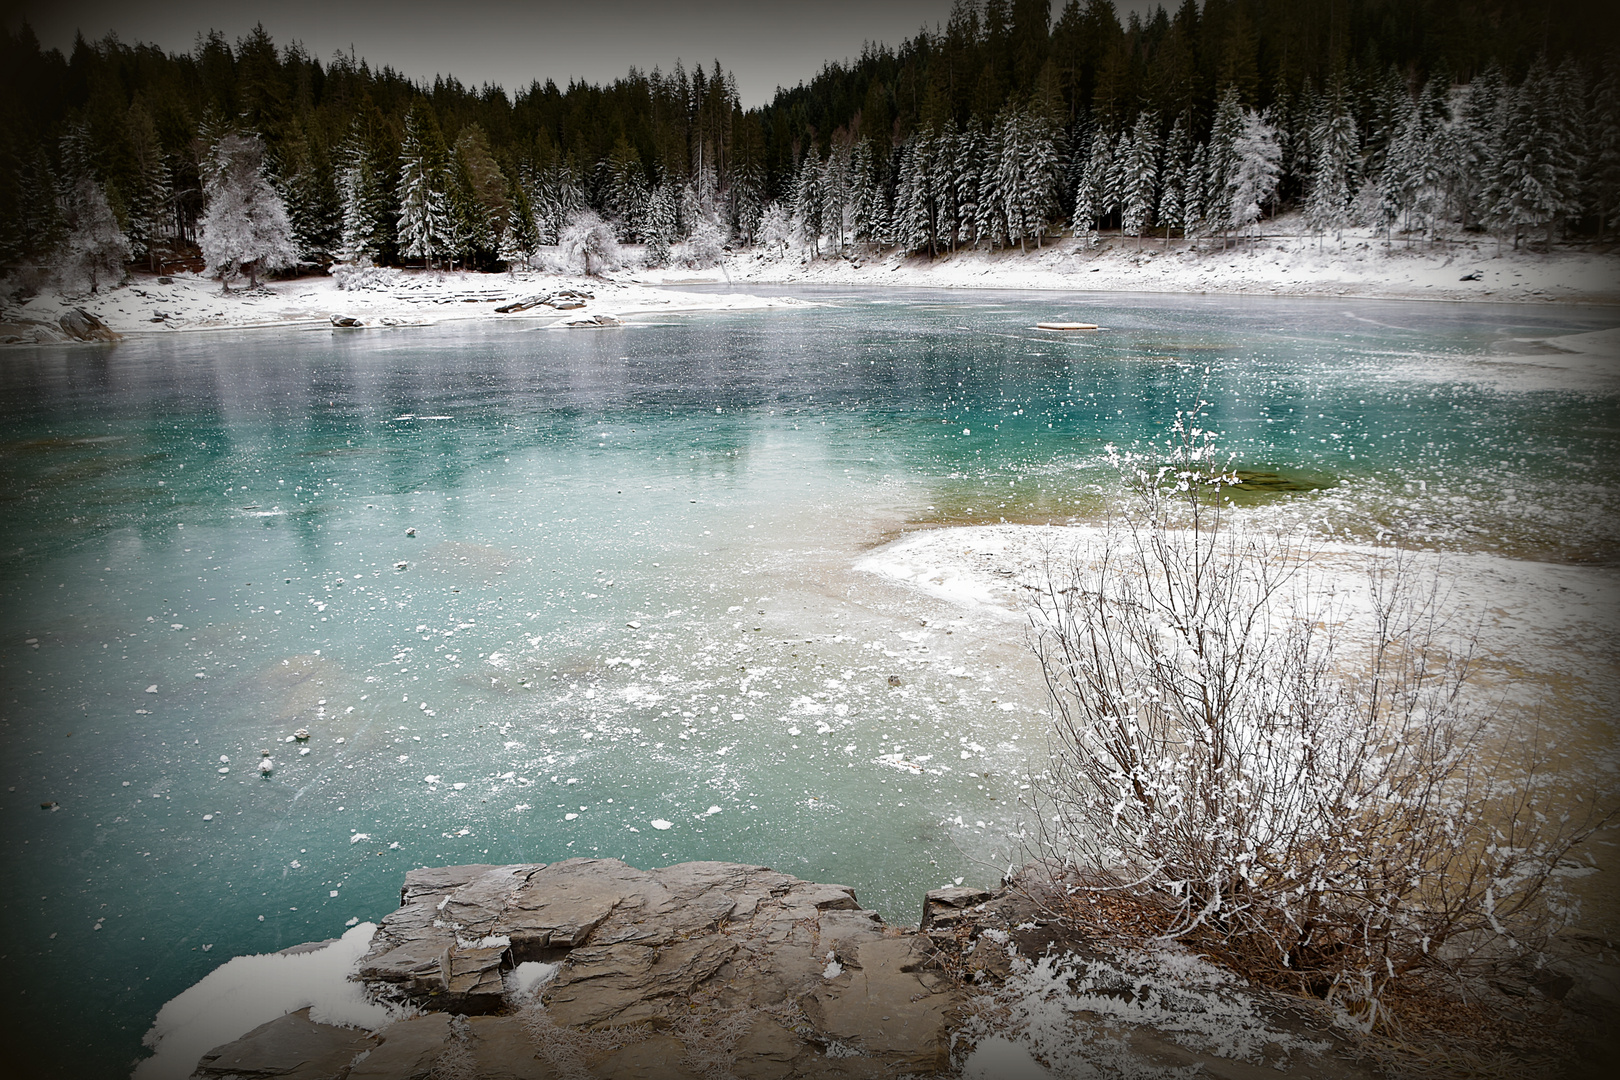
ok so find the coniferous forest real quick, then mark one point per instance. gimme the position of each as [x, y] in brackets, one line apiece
[1010, 122]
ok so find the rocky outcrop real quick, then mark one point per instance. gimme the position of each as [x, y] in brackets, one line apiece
[666, 946]
[561, 300]
[692, 972]
[80, 325]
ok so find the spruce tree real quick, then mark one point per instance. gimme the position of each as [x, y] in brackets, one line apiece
[425, 224]
[244, 226]
[1222, 163]
[1257, 166]
[1333, 150]
[1604, 170]
[1141, 177]
[807, 203]
[362, 203]
[1173, 201]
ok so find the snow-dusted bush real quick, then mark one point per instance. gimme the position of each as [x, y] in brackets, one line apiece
[352, 277]
[1326, 811]
[587, 244]
[704, 247]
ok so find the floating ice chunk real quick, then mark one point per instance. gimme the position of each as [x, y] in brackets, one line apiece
[152, 689]
[711, 811]
[430, 779]
[353, 919]
[224, 759]
[570, 817]
[793, 731]
[359, 836]
[208, 817]
[459, 787]
[660, 824]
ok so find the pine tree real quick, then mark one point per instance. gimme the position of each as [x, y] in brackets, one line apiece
[967, 170]
[866, 195]
[1141, 176]
[1533, 176]
[244, 226]
[305, 183]
[1196, 192]
[1091, 202]
[479, 196]
[1173, 201]
[808, 202]
[1256, 169]
[520, 239]
[1222, 164]
[661, 223]
[425, 224]
[95, 248]
[1327, 205]
[150, 197]
[1604, 175]
[362, 204]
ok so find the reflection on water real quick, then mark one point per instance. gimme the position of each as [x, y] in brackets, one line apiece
[531, 592]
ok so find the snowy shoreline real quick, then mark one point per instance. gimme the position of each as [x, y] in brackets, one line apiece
[1364, 267]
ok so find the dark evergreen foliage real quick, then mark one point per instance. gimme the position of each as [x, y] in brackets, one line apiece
[1005, 92]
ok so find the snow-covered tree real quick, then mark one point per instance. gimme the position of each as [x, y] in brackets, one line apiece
[1091, 198]
[1222, 163]
[1140, 172]
[426, 228]
[809, 202]
[478, 197]
[588, 244]
[1196, 191]
[661, 224]
[1173, 200]
[1328, 202]
[775, 229]
[521, 239]
[1531, 188]
[1256, 168]
[1027, 176]
[866, 198]
[625, 191]
[362, 203]
[967, 173]
[1604, 170]
[244, 226]
[149, 200]
[95, 248]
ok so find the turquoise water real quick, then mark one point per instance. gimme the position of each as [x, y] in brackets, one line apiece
[629, 597]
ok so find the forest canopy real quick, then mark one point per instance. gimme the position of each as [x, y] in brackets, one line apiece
[1010, 119]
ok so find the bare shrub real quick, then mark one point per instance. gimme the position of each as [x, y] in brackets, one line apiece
[1327, 814]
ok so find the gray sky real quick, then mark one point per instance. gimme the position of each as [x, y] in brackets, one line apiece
[510, 42]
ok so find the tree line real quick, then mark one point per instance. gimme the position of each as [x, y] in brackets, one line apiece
[998, 128]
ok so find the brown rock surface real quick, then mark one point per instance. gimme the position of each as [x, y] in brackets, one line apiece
[685, 972]
[293, 1046]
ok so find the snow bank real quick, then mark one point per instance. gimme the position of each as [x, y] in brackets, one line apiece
[243, 993]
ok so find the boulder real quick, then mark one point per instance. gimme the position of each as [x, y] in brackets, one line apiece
[347, 321]
[80, 325]
[596, 320]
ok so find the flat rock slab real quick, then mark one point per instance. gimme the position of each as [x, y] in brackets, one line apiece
[669, 949]
[293, 1046]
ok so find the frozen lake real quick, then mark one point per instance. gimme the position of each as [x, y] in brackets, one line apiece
[629, 622]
